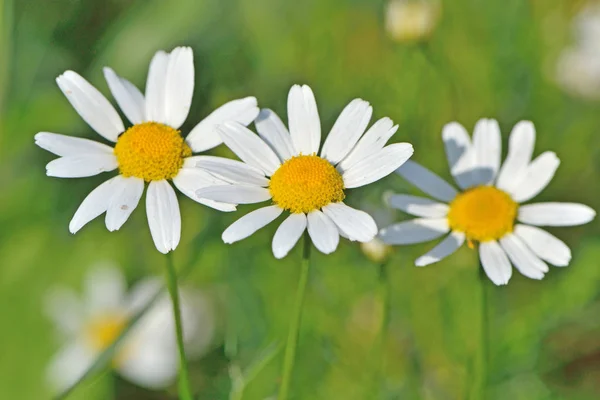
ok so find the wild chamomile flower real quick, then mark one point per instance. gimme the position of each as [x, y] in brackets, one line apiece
[151, 151]
[411, 20]
[578, 65]
[488, 211]
[284, 167]
[148, 355]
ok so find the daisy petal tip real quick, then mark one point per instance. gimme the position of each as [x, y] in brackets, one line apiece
[424, 261]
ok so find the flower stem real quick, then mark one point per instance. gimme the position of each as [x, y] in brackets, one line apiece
[478, 390]
[292, 339]
[185, 392]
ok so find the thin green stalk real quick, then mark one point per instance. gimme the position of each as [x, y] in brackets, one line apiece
[444, 73]
[292, 339]
[185, 392]
[382, 333]
[478, 390]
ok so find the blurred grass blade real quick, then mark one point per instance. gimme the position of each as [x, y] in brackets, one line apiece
[6, 26]
[240, 379]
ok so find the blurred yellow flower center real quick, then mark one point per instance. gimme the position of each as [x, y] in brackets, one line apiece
[103, 330]
[483, 213]
[151, 151]
[306, 183]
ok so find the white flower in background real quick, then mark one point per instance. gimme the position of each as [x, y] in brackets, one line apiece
[578, 66]
[152, 150]
[147, 356]
[284, 167]
[488, 210]
[376, 250]
[411, 20]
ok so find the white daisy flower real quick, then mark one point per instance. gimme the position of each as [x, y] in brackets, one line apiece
[147, 356]
[411, 20]
[488, 210]
[284, 167]
[578, 65]
[152, 150]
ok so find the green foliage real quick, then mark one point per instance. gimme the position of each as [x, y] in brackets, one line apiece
[486, 59]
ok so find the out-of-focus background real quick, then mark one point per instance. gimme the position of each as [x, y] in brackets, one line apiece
[423, 65]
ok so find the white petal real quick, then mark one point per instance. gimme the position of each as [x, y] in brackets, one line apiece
[150, 363]
[235, 194]
[323, 232]
[63, 145]
[535, 177]
[179, 86]
[487, 145]
[523, 259]
[93, 205]
[156, 86]
[204, 136]
[275, 134]
[414, 231]
[231, 171]
[127, 95]
[520, 149]
[427, 181]
[495, 262]
[64, 308]
[125, 199]
[546, 246]
[69, 365]
[189, 180]
[163, 214]
[556, 214]
[446, 247]
[460, 154]
[303, 120]
[91, 105]
[250, 223]
[249, 147]
[371, 142]
[378, 165]
[141, 294]
[81, 166]
[346, 131]
[104, 289]
[418, 206]
[354, 224]
[288, 234]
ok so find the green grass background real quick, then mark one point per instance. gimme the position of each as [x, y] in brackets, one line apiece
[487, 58]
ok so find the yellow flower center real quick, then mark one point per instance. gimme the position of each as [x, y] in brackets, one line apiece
[306, 183]
[483, 213]
[103, 330]
[151, 151]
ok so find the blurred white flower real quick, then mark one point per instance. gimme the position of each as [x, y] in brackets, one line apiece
[411, 20]
[578, 66]
[147, 355]
[488, 208]
[151, 151]
[376, 250]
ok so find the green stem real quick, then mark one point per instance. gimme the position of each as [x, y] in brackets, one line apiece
[292, 339]
[384, 295]
[479, 388]
[185, 392]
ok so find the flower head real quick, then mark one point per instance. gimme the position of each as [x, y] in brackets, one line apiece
[147, 355]
[578, 65]
[411, 20]
[488, 211]
[151, 151]
[284, 167]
